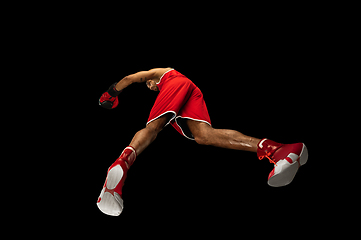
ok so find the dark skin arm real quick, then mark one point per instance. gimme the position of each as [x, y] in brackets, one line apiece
[141, 77]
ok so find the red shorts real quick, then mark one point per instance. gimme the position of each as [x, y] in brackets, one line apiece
[181, 97]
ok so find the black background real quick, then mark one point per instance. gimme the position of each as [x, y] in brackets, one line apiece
[257, 71]
[259, 85]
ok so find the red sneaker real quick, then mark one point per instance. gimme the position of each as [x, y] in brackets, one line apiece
[287, 158]
[110, 200]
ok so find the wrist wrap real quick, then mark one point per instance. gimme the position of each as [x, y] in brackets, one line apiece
[113, 91]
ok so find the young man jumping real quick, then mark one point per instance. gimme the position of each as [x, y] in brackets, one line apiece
[180, 103]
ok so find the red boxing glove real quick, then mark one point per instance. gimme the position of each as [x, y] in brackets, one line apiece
[109, 99]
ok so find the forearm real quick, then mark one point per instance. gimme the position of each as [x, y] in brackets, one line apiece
[139, 77]
[122, 84]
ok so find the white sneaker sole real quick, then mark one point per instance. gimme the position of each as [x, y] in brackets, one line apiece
[107, 202]
[287, 171]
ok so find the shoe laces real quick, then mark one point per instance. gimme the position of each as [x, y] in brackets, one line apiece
[267, 155]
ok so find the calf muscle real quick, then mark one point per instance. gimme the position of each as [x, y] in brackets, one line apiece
[224, 138]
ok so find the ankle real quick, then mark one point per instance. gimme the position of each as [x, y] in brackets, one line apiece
[128, 156]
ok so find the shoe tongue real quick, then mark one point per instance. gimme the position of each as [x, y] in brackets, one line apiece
[260, 144]
[266, 146]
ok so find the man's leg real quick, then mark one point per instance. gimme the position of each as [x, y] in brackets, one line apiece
[287, 158]
[143, 138]
[224, 138]
[110, 200]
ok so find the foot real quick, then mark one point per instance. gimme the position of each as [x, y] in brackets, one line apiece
[110, 200]
[287, 158]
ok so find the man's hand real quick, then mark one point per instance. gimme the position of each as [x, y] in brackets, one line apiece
[109, 99]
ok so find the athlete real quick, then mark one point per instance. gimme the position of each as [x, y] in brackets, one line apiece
[180, 103]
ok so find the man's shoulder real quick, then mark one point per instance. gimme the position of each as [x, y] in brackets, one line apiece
[159, 72]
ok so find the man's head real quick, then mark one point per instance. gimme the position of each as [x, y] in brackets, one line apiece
[152, 85]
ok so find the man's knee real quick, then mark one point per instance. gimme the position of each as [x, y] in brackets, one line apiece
[202, 140]
[158, 124]
[155, 127]
[201, 132]
[204, 136]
